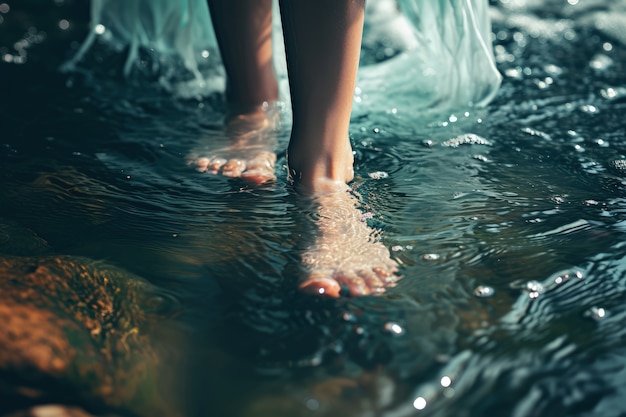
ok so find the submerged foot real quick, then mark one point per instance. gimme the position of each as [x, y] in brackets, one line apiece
[249, 151]
[346, 257]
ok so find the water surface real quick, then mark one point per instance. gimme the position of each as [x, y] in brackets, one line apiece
[523, 201]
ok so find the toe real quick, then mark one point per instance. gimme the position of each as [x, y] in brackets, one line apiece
[375, 285]
[386, 275]
[233, 168]
[214, 165]
[202, 164]
[321, 285]
[258, 176]
[260, 170]
[355, 284]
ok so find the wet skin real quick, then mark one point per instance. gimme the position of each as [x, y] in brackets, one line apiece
[346, 256]
[250, 153]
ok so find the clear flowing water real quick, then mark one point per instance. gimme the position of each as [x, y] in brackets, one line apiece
[508, 222]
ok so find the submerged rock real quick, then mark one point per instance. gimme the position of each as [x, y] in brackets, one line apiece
[51, 411]
[75, 332]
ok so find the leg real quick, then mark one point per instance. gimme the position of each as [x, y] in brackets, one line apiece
[323, 42]
[244, 32]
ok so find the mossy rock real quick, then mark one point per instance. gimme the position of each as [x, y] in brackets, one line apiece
[75, 332]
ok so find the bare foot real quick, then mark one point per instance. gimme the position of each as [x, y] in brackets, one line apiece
[248, 149]
[346, 256]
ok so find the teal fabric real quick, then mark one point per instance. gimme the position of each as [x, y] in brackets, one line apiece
[450, 62]
[444, 57]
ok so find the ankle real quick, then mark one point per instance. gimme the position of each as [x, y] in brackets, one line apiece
[253, 92]
[317, 169]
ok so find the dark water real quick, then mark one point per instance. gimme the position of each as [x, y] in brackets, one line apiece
[535, 212]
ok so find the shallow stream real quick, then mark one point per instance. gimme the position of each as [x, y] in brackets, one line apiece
[509, 223]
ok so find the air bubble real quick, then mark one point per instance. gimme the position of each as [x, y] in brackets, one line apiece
[484, 291]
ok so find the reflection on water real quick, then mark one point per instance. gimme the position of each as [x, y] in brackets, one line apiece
[524, 198]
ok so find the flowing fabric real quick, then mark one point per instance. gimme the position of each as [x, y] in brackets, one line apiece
[440, 50]
[447, 64]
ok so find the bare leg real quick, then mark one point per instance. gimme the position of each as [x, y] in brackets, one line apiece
[323, 42]
[244, 33]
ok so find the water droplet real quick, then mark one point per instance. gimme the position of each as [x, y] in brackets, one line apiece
[64, 24]
[611, 93]
[534, 286]
[430, 257]
[484, 291]
[378, 175]
[466, 139]
[348, 316]
[100, 29]
[312, 404]
[445, 381]
[419, 403]
[553, 69]
[596, 313]
[513, 73]
[589, 108]
[394, 328]
[600, 62]
[449, 392]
